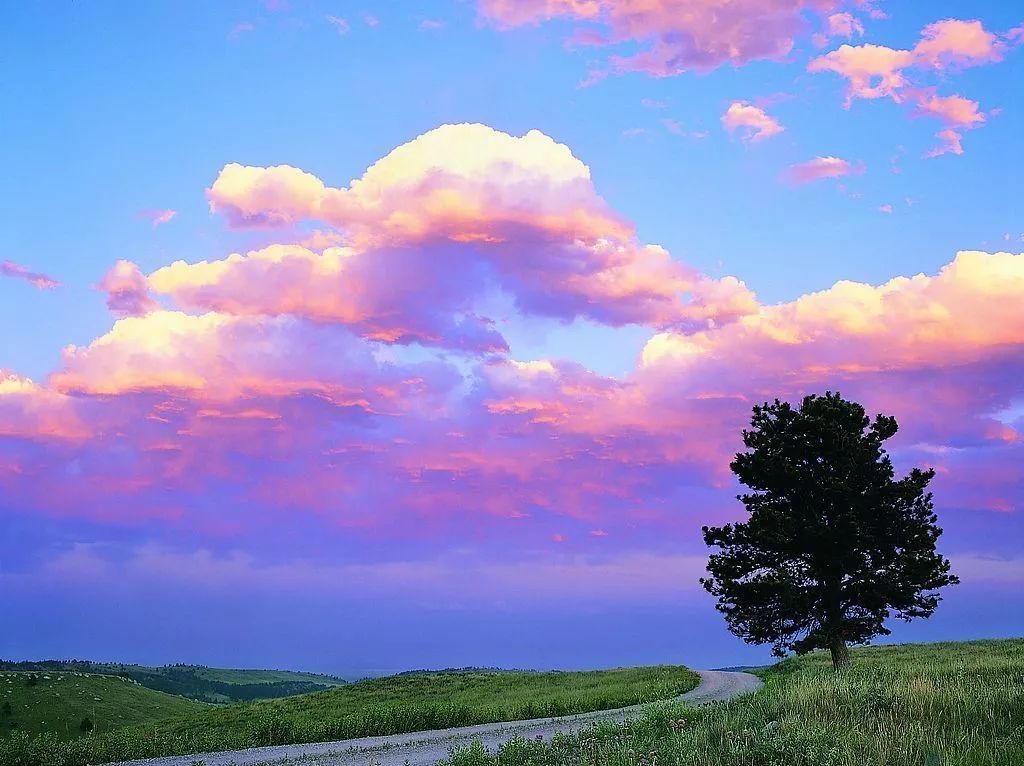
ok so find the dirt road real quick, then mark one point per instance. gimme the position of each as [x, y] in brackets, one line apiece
[426, 748]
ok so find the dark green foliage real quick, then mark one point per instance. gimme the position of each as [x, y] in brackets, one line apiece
[834, 544]
[6, 709]
[86, 725]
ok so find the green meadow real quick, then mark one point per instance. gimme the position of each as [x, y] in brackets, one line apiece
[953, 704]
[391, 705]
[58, 703]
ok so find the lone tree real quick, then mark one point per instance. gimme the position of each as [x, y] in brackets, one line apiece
[834, 544]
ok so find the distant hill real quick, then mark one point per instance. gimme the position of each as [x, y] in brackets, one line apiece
[196, 682]
[60, 701]
[467, 669]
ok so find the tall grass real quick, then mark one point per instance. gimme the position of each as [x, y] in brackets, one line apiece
[376, 707]
[928, 705]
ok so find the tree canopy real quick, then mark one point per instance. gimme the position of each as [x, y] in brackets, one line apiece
[834, 544]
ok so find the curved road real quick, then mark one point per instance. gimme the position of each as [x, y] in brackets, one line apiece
[426, 748]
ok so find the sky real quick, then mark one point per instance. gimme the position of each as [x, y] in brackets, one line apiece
[365, 336]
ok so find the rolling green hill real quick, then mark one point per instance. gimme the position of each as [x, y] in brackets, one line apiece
[949, 704]
[59, 702]
[378, 706]
[197, 682]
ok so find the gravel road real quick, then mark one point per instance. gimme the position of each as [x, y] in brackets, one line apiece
[426, 748]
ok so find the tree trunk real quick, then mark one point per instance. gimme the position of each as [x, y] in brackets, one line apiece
[840, 654]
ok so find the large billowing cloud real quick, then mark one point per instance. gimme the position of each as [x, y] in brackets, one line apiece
[266, 426]
[433, 230]
[676, 36]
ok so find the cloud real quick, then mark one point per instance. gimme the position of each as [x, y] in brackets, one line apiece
[37, 279]
[127, 290]
[955, 112]
[673, 36]
[821, 168]
[754, 122]
[953, 318]
[435, 226]
[876, 71]
[957, 44]
[394, 295]
[873, 71]
[265, 425]
[842, 24]
[340, 24]
[157, 217]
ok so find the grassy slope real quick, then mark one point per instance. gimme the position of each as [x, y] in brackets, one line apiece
[913, 705]
[378, 706]
[249, 676]
[198, 682]
[58, 702]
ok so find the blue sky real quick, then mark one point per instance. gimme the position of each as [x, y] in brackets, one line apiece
[589, 464]
[117, 109]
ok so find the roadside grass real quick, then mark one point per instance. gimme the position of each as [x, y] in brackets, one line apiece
[58, 703]
[955, 704]
[380, 706]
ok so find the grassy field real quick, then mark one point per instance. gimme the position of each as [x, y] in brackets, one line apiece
[956, 704]
[379, 706]
[198, 682]
[32, 703]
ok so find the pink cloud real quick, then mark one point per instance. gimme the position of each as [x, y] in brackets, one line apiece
[754, 123]
[955, 112]
[157, 217]
[457, 210]
[35, 278]
[875, 71]
[28, 410]
[268, 435]
[127, 290]
[821, 168]
[172, 422]
[675, 35]
[958, 44]
[947, 319]
[843, 24]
